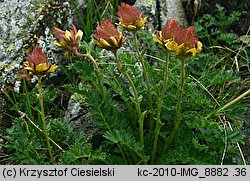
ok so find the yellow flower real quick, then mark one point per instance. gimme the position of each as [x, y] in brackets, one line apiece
[107, 36]
[130, 18]
[181, 49]
[69, 40]
[181, 41]
[37, 62]
[185, 43]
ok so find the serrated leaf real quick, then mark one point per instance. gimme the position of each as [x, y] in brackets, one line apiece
[198, 146]
[110, 136]
[132, 99]
[228, 37]
[235, 136]
[126, 139]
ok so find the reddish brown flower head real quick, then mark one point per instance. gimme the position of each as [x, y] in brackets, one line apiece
[187, 37]
[182, 41]
[185, 42]
[130, 17]
[38, 63]
[69, 40]
[171, 29]
[107, 36]
[168, 33]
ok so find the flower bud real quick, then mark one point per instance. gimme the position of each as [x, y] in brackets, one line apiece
[37, 62]
[107, 36]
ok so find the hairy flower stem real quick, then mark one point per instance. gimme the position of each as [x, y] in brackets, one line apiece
[137, 101]
[178, 107]
[159, 124]
[45, 131]
[145, 74]
[98, 74]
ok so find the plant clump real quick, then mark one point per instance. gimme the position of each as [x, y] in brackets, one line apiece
[167, 104]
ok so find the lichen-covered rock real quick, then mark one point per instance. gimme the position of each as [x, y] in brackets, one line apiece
[150, 11]
[23, 23]
[173, 9]
[12, 36]
[81, 117]
[160, 11]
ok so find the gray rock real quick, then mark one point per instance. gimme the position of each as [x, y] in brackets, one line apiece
[161, 11]
[150, 11]
[73, 110]
[12, 35]
[80, 116]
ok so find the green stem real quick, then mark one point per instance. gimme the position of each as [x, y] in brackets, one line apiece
[145, 74]
[137, 101]
[178, 108]
[101, 87]
[98, 75]
[159, 124]
[43, 119]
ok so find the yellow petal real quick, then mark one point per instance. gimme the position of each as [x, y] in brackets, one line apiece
[141, 22]
[57, 43]
[114, 41]
[121, 38]
[42, 67]
[199, 46]
[63, 44]
[120, 26]
[79, 35]
[26, 63]
[29, 68]
[131, 27]
[104, 43]
[156, 39]
[52, 68]
[173, 46]
[68, 34]
[193, 51]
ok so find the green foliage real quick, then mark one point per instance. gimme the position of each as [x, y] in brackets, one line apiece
[211, 29]
[129, 143]
[26, 144]
[92, 13]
